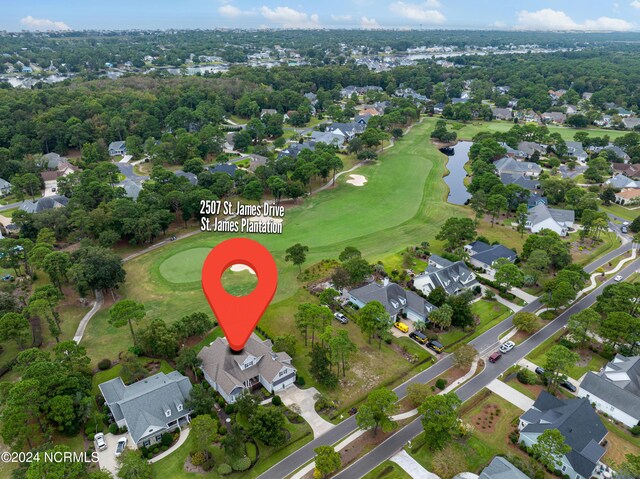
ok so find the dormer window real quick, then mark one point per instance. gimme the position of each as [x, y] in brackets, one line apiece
[167, 412]
[179, 407]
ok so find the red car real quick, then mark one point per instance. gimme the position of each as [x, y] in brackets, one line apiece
[495, 356]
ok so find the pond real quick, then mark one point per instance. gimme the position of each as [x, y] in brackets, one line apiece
[458, 156]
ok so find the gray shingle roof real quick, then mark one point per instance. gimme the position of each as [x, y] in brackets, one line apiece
[452, 277]
[577, 422]
[511, 165]
[542, 212]
[621, 181]
[494, 253]
[131, 188]
[46, 203]
[500, 468]
[393, 297]
[520, 180]
[618, 384]
[193, 179]
[223, 366]
[143, 404]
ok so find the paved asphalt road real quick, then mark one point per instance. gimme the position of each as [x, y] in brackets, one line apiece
[483, 344]
[396, 442]
[12, 205]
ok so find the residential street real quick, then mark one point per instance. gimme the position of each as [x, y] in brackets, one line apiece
[396, 442]
[483, 344]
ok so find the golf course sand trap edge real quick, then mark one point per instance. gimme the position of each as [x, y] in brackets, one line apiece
[357, 180]
[241, 267]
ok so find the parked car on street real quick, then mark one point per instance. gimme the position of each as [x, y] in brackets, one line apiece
[495, 356]
[506, 347]
[617, 278]
[341, 317]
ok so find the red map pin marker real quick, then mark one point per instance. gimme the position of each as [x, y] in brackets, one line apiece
[238, 316]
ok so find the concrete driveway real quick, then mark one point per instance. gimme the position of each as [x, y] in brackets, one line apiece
[107, 459]
[512, 395]
[303, 398]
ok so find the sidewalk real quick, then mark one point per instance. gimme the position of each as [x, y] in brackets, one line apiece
[412, 467]
[512, 395]
[512, 306]
[184, 434]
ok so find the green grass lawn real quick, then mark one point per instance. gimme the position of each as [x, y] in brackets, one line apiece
[622, 212]
[469, 130]
[490, 313]
[401, 205]
[610, 241]
[576, 371]
[387, 470]
[114, 372]
[173, 465]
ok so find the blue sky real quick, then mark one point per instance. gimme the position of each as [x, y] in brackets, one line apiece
[621, 15]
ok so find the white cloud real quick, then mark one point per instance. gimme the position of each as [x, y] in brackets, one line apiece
[287, 17]
[549, 19]
[421, 13]
[635, 4]
[432, 3]
[43, 24]
[369, 23]
[498, 24]
[341, 18]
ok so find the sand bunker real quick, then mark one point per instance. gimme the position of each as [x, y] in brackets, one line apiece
[241, 267]
[356, 180]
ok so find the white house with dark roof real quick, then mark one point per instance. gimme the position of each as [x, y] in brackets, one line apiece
[255, 366]
[149, 407]
[483, 255]
[615, 390]
[453, 277]
[578, 423]
[395, 299]
[117, 148]
[328, 137]
[542, 217]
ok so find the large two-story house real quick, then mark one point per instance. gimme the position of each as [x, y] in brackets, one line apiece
[578, 423]
[149, 407]
[542, 217]
[453, 277]
[255, 366]
[616, 389]
[394, 298]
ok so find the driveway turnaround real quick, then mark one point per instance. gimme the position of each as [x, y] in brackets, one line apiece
[412, 467]
[514, 396]
[305, 401]
[107, 459]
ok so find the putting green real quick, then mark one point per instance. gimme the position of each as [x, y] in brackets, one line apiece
[184, 266]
